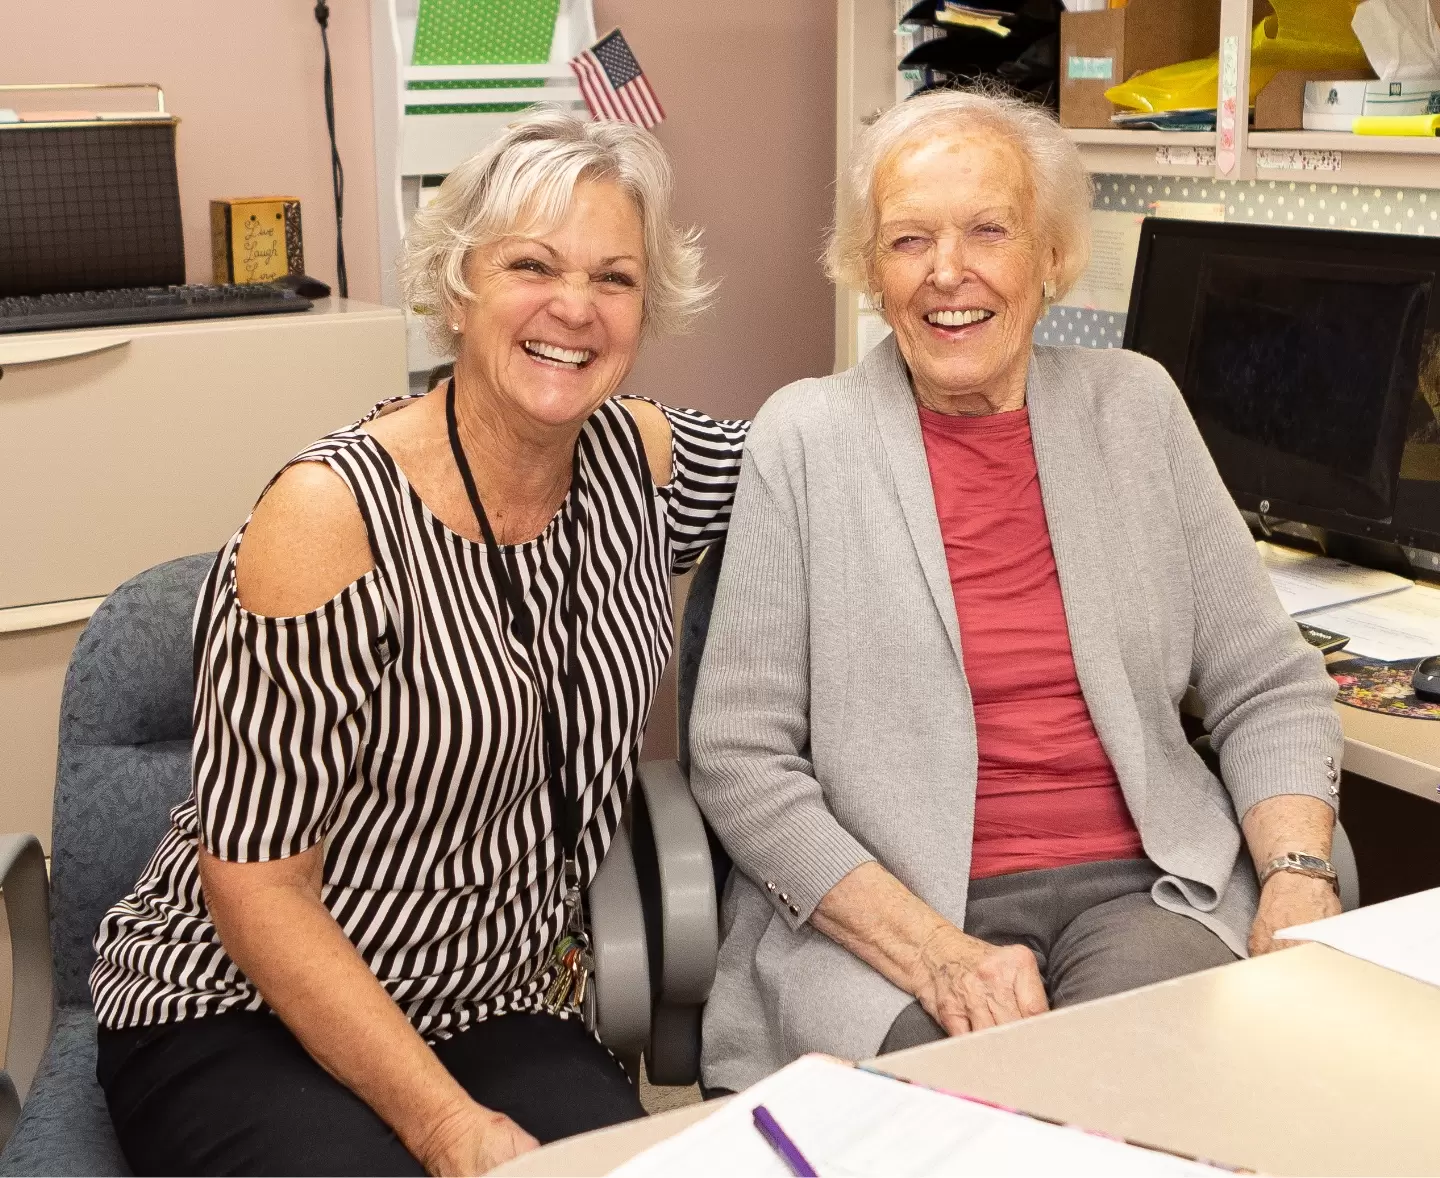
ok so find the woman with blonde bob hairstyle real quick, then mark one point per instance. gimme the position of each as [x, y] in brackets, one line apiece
[966, 587]
[423, 667]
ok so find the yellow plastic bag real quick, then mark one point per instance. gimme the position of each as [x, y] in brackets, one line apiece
[1301, 35]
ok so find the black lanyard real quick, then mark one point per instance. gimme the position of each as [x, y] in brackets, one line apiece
[559, 765]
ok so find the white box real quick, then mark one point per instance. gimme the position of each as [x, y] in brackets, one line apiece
[1334, 106]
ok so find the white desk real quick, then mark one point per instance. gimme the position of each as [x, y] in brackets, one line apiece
[1301, 1062]
[123, 447]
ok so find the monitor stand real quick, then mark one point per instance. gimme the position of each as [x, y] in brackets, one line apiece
[1370, 554]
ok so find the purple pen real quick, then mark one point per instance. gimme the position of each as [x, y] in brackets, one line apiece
[777, 1139]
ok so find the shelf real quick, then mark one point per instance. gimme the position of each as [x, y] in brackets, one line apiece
[1344, 141]
[1146, 153]
[1338, 157]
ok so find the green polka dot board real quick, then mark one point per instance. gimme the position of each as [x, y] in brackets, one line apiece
[481, 32]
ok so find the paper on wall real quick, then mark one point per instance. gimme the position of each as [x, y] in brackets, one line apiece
[1399, 38]
[1114, 242]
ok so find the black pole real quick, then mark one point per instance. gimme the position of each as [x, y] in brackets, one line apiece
[337, 173]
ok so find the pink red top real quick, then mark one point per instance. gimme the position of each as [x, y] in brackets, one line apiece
[1046, 794]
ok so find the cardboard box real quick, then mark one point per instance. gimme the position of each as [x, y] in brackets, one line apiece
[255, 238]
[1099, 50]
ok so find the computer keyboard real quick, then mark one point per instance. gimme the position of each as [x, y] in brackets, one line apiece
[148, 304]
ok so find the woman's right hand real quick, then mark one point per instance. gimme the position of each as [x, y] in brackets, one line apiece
[472, 1141]
[966, 984]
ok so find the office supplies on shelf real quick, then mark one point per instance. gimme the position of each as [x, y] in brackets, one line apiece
[1387, 688]
[1335, 105]
[155, 304]
[1402, 934]
[1307, 358]
[1306, 580]
[1397, 626]
[853, 1121]
[89, 205]
[789, 1153]
[1397, 125]
[1325, 641]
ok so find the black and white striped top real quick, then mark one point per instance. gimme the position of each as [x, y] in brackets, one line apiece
[396, 723]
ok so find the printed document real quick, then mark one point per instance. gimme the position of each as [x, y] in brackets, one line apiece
[1401, 934]
[1306, 581]
[1403, 625]
[848, 1121]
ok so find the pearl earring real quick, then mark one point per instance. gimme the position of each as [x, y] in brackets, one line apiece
[454, 327]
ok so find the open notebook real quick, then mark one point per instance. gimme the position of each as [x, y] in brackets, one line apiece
[850, 1121]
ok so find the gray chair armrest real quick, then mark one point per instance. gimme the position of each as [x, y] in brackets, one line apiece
[622, 957]
[689, 924]
[32, 1006]
[1347, 874]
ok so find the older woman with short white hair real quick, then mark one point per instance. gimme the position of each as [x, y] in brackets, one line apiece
[424, 666]
[967, 584]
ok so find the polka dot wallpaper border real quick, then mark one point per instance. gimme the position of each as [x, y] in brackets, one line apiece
[1312, 204]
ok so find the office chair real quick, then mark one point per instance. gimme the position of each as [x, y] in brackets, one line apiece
[683, 962]
[125, 736]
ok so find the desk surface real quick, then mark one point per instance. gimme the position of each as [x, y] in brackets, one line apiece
[1301, 1062]
[1396, 750]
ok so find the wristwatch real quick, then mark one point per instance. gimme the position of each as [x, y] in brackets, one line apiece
[1301, 864]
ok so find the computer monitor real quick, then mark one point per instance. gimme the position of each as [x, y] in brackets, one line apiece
[1310, 360]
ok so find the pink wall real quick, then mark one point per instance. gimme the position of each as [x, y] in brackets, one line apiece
[749, 90]
[245, 80]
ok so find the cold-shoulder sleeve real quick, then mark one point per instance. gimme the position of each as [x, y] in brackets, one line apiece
[279, 711]
[705, 469]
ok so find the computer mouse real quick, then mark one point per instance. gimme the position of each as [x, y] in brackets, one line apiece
[1426, 680]
[305, 286]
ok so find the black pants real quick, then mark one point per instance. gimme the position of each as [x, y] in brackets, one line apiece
[235, 1093]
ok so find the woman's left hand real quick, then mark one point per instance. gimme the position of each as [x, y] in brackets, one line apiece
[1287, 899]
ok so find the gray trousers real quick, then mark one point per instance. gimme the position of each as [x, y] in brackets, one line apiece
[1093, 928]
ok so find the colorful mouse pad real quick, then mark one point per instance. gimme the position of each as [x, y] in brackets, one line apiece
[1381, 687]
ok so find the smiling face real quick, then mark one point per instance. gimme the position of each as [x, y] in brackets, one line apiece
[960, 266]
[555, 321]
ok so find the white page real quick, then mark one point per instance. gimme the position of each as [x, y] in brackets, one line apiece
[1114, 242]
[1306, 580]
[851, 1122]
[1402, 934]
[1403, 625]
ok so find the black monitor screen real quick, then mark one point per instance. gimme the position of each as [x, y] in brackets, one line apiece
[1301, 376]
[1310, 360]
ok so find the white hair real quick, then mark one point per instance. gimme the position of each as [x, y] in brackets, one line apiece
[524, 182]
[1063, 190]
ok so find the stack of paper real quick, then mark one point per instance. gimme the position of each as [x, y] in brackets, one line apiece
[1403, 934]
[847, 1121]
[1404, 625]
[1305, 581]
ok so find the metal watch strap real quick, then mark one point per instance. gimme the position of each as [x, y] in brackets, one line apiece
[1299, 863]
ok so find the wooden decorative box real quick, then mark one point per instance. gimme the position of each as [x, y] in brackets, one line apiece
[256, 238]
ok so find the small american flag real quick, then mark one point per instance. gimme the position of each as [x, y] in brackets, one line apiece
[613, 85]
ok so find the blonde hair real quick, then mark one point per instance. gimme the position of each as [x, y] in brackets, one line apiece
[525, 181]
[1063, 191]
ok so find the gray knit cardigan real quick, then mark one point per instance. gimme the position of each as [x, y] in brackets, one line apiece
[832, 722]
